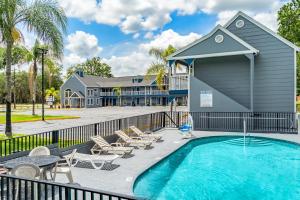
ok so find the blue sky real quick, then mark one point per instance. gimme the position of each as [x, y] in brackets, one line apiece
[122, 31]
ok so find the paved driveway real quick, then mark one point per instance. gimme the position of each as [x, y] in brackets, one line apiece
[87, 116]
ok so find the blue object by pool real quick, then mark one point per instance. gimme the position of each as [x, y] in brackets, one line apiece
[185, 128]
[223, 168]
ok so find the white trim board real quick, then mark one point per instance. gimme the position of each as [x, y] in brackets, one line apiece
[232, 53]
[218, 27]
[262, 27]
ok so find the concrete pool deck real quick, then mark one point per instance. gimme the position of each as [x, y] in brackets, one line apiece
[121, 179]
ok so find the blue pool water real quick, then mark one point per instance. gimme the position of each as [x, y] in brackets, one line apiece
[223, 168]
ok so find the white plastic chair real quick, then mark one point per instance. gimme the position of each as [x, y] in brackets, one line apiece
[29, 171]
[40, 151]
[64, 166]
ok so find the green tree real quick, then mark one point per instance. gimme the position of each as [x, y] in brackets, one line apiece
[289, 23]
[159, 67]
[35, 58]
[43, 17]
[94, 66]
[118, 92]
[52, 92]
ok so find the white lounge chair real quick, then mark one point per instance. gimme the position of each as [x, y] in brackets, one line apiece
[94, 159]
[101, 145]
[64, 166]
[154, 137]
[133, 141]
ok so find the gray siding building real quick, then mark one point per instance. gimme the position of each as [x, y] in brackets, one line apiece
[240, 67]
[88, 91]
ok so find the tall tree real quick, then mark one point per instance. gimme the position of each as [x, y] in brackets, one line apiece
[43, 17]
[289, 23]
[94, 66]
[159, 67]
[35, 58]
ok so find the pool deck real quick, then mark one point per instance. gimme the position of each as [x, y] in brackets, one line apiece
[121, 179]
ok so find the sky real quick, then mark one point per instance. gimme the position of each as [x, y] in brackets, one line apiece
[121, 32]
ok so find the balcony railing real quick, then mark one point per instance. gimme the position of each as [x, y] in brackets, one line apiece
[178, 82]
[130, 93]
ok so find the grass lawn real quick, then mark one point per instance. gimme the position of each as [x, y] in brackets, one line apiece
[3, 136]
[30, 118]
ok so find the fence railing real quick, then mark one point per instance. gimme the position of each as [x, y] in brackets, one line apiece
[261, 122]
[179, 82]
[142, 92]
[16, 188]
[77, 135]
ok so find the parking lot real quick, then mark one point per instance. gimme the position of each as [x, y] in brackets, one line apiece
[87, 116]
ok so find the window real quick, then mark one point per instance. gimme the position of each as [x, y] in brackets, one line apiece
[68, 93]
[90, 101]
[239, 23]
[90, 92]
[219, 38]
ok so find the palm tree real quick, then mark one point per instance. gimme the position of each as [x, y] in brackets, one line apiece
[52, 92]
[50, 66]
[43, 17]
[118, 92]
[159, 67]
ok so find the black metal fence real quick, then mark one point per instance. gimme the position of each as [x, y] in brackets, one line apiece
[265, 122]
[77, 135]
[259, 122]
[15, 188]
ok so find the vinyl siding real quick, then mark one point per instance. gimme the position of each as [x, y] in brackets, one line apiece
[74, 84]
[274, 88]
[209, 46]
[221, 102]
[229, 75]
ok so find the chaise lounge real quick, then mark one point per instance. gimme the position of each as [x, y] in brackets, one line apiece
[133, 141]
[151, 136]
[101, 145]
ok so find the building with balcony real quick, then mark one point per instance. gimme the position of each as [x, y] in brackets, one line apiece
[240, 67]
[87, 91]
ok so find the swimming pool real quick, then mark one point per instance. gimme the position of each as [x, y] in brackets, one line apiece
[224, 168]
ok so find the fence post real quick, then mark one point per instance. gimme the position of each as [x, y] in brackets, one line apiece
[164, 120]
[95, 129]
[150, 128]
[178, 118]
[55, 136]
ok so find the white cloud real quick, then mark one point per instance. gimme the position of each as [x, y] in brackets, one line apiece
[170, 37]
[83, 44]
[80, 46]
[135, 15]
[148, 35]
[266, 15]
[134, 63]
[138, 61]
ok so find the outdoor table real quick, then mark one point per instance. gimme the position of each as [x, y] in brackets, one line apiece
[40, 161]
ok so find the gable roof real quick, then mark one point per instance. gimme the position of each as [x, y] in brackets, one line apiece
[240, 13]
[125, 81]
[250, 48]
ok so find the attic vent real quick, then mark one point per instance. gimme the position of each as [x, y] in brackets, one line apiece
[239, 23]
[219, 38]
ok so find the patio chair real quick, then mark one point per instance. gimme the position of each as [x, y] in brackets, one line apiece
[154, 137]
[40, 151]
[101, 145]
[64, 166]
[29, 171]
[95, 159]
[133, 141]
